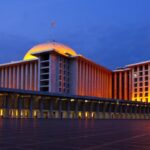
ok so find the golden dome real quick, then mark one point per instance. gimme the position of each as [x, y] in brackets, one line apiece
[60, 48]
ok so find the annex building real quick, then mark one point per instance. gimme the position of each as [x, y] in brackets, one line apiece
[53, 81]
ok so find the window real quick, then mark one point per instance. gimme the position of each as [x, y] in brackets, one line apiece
[140, 89]
[135, 95]
[135, 69]
[146, 72]
[146, 78]
[146, 89]
[141, 79]
[146, 94]
[146, 67]
[141, 95]
[141, 68]
[141, 73]
[59, 89]
[135, 85]
[146, 83]
[135, 90]
[135, 79]
[141, 84]
[59, 83]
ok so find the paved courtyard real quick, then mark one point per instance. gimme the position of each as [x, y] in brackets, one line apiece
[74, 134]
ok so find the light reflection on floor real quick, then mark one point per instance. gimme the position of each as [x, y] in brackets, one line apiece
[74, 134]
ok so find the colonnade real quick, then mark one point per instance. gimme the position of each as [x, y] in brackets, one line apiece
[34, 106]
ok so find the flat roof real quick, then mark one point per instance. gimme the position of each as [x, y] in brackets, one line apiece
[66, 96]
[17, 62]
[139, 63]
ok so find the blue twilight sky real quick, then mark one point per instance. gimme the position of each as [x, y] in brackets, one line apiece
[111, 32]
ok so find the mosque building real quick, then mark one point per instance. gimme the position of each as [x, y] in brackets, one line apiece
[54, 81]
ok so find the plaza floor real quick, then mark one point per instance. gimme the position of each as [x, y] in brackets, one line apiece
[74, 134]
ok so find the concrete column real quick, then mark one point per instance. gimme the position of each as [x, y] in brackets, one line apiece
[35, 77]
[110, 110]
[6, 106]
[60, 108]
[2, 78]
[91, 110]
[14, 77]
[97, 111]
[116, 108]
[104, 109]
[31, 75]
[19, 100]
[41, 107]
[10, 81]
[18, 77]
[84, 110]
[31, 107]
[68, 109]
[6, 78]
[22, 79]
[76, 108]
[51, 109]
[120, 85]
[26, 76]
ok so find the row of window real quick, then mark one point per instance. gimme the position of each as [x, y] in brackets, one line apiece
[141, 79]
[141, 95]
[140, 73]
[141, 89]
[141, 67]
[141, 84]
[142, 100]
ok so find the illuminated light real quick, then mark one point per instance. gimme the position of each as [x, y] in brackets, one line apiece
[92, 115]
[16, 113]
[26, 113]
[128, 104]
[1, 112]
[34, 113]
[72, 100]
[80, 115]
[21, 113]
[86, 101]
[60, 48]
[86, 114]
[135, 75]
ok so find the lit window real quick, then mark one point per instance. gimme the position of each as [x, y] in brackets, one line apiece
[146, 83]
[146, 89]
[141, 95]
